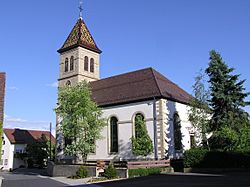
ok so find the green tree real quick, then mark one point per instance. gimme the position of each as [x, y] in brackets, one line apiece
[80, 119]
[227, 102]
[37, 153]
[227, 95]
[141, 144]
[199, 112]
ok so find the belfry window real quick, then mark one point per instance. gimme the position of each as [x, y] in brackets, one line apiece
[66, 65]
[177, 132]
[71, 63]
[92, 65]
[113, 135]
[86, 63]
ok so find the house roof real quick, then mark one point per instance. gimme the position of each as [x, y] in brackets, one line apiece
[2, 93]
[136, 86]
[22, 136]
[79, 37]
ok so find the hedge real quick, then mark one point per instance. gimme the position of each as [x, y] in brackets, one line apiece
[143, 172]
[201, 158]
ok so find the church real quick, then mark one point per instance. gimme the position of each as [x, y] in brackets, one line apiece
[146, 92]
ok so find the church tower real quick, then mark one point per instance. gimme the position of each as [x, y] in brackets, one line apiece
[79, 57]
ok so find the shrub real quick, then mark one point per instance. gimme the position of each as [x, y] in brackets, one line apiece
[110, 172]
[141, 143]
[82, 172]
[143, 172]
[194, 157]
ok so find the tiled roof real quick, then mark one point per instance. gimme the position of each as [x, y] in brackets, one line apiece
[79, 37]
[22, 136]
[136, 86]
[2, 93]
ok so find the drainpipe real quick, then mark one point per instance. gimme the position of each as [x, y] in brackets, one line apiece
[155, 130]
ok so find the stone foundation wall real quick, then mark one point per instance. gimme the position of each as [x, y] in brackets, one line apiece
[55, 170]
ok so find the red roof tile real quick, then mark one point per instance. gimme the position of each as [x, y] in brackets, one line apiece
[22, 136]
[80, 37]
[135, 86]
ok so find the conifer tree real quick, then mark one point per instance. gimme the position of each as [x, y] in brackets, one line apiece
[141, 144]
[227, 95]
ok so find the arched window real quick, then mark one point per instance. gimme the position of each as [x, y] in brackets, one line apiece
[68, 83]
[86, 63]
[113, 135]
[138, 119]
[71, 63]
[66, 65]
[92, 65]
[177, 132]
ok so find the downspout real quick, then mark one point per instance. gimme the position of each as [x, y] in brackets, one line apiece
[155, 130]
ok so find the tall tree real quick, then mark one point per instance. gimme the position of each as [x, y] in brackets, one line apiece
[81, 122]
[199, 112]
[227, 95]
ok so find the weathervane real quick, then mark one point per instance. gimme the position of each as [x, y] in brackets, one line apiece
[80, 8]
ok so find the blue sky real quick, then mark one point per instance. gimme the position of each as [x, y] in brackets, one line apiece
[174, 37]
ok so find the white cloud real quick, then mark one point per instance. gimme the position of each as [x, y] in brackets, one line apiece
[12, 88]
[13, 122]
[53, 85]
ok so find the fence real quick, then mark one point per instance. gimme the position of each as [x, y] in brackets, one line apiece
[148, 164]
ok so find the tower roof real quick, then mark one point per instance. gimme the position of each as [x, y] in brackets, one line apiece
[80, 37]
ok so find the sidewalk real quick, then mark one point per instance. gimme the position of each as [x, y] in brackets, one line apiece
[71, 182]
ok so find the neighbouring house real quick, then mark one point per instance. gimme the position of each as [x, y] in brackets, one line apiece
[2, 94]
[15, 142]
[163, 104]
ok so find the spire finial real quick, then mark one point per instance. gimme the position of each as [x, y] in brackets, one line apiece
[80, 9]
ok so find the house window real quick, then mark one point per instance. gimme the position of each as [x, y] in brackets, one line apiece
[66, 65]
[92, 65]
[71, 63]
[113, 135]
[177, 132]
[1, 162]
[3, 142]
[138, 117]
[19, 151]
[67, 141]
[86, 63]
[6, 162]
[2, 152]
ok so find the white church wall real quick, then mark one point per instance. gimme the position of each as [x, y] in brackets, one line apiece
[182, 110]
[125, 115]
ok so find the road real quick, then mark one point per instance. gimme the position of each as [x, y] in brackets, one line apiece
[27, 179]
[30, 179]
[184, 180]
